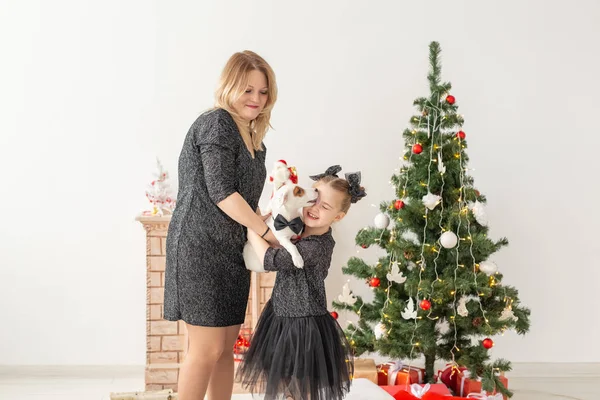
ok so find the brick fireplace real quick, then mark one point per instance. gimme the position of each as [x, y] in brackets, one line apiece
[166, 340]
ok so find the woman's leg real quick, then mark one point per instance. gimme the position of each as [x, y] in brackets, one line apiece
[221, 381]
[206, 345]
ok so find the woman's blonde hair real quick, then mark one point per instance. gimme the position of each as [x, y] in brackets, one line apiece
[233, 84]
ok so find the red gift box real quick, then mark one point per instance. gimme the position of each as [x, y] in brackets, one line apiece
[467, 386]
[396, 373]
[449, 376]
[242, 344]
[407, 392]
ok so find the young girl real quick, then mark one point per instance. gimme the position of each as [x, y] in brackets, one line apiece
[298, 348]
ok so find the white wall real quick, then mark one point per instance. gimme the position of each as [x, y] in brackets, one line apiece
[91, 92]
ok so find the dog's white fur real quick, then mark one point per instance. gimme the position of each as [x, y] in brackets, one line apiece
[288, 201]
[280, 174]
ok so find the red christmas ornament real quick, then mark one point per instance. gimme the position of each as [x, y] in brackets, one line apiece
[477, 193]
[293, 175]
[461, 135]
[334, 315]
[364, 246]
[398, 204]
[374, 282]
[425, 304]
[488, 343]
[417, 149]
[450, 99]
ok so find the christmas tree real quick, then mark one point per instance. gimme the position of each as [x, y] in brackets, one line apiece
[158, 192]
[437, 293]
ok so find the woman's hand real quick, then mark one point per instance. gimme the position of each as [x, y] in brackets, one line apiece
[238, 209]
[264, 217]
[270, 237]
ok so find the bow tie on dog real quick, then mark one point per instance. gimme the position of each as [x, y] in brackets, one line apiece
[296, 225]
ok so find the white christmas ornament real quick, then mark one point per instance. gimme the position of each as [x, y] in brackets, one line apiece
[409, 312]
[449, 239]
[346, 296]
[488, 267]
[382, 221]
[441, 166]
[379, 331]
[462, 307]
[507, 314]
[479, 213]
[395, 275]
[431, 200]
[410, 265]
[159, 192]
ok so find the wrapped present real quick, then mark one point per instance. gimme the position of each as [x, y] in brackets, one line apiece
[436, 388]
[449, 375]
[365, 368]
[467, 386]
[394, 391]
[484, 396]
[242, 344]
[397, 373]
[417, 391]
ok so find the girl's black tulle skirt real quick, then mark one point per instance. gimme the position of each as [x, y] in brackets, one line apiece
[302, 357]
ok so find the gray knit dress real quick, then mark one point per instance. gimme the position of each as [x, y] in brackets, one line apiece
[206, 281]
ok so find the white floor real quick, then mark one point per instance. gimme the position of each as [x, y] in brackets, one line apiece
[90, 383]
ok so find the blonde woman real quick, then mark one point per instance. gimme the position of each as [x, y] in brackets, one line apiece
[221, 177]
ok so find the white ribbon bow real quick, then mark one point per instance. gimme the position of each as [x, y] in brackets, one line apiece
[418, 391]
[484, 396]
[393, 372]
